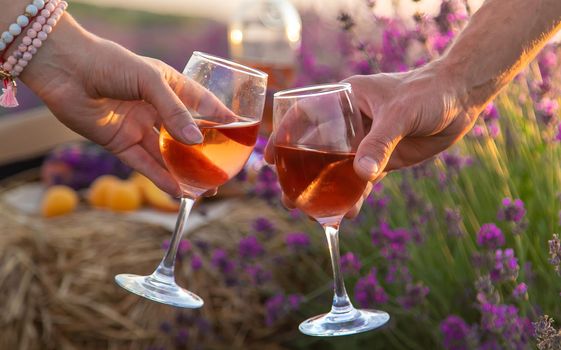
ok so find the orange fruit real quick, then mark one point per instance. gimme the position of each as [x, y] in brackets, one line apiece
[124, 196]
[59, 200]
[100, 189]
[152, 195]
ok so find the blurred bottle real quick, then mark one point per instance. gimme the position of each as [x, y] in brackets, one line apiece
[265, 34]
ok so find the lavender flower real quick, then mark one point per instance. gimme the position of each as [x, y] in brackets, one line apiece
[266, 185]
[555, 253]
[279, 306]
[182, 337]
[490, 113]
[490, 237]
[455, 333]
[350, 263]
[506, 266]
[520, 291]
[297, 240]
[453, 219]
[196, 262]
[415, 294]
[546, 109]
[392, 243]
[257, 274]
[512, 210]
[250, 247]
[504, 321]
[368, 292]
[221, 261]
[264, 226]
[455, 162]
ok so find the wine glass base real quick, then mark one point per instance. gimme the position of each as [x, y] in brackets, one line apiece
[332, 325]
[161, 292]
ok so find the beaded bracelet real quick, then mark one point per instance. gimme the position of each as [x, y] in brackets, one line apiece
[21, 23]
[19, 59]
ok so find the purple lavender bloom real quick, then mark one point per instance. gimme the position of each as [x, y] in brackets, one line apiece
[504, 320]
[182, 337]
[520, 291]
[297, 240]
[295, 214]
[490, 236]
[547, 61]
[455, 162]
[264, 226]
[363, 67]
[368, 292]
[493, 130]
[415, 294]
[279, 305]
[266, 185]
[455, 333]
[440, 41]
[395, 41]
[512, 210]
[478, 131]
[490, 113]
[350, 263]
[453, 222]
[505, 266]
[221, 261]
[250, 247]
[165, 327]
[196, 262]
[392, 243]
[546, 109]
[257, 274]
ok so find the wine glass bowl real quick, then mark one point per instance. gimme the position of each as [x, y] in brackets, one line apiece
[229, 124]
[316, 133]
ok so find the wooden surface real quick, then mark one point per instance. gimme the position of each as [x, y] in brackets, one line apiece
[29, 134]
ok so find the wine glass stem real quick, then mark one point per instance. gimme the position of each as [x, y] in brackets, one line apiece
[165, 271]
[341, 301]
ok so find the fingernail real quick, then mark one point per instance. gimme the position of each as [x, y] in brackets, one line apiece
[369, 165]
[192, 134]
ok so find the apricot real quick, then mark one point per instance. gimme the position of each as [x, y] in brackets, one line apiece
[124, 196]
[59, 200]
[100, 189]
[152, 195]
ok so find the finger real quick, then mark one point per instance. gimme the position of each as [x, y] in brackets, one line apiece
[177, 120]
[376, 148]
[138, 158]
[150, 142]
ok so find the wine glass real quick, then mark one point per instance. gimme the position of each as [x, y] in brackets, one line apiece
[229, 135]
[316, 132]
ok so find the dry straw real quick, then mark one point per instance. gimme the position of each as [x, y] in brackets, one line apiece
[57, 289]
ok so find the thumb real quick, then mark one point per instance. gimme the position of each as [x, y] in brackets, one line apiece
[376, 148]
[175, 116]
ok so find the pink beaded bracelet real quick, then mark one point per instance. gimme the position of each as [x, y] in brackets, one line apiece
[20, 58]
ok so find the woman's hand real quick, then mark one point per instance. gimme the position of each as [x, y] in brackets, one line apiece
[117, 98]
